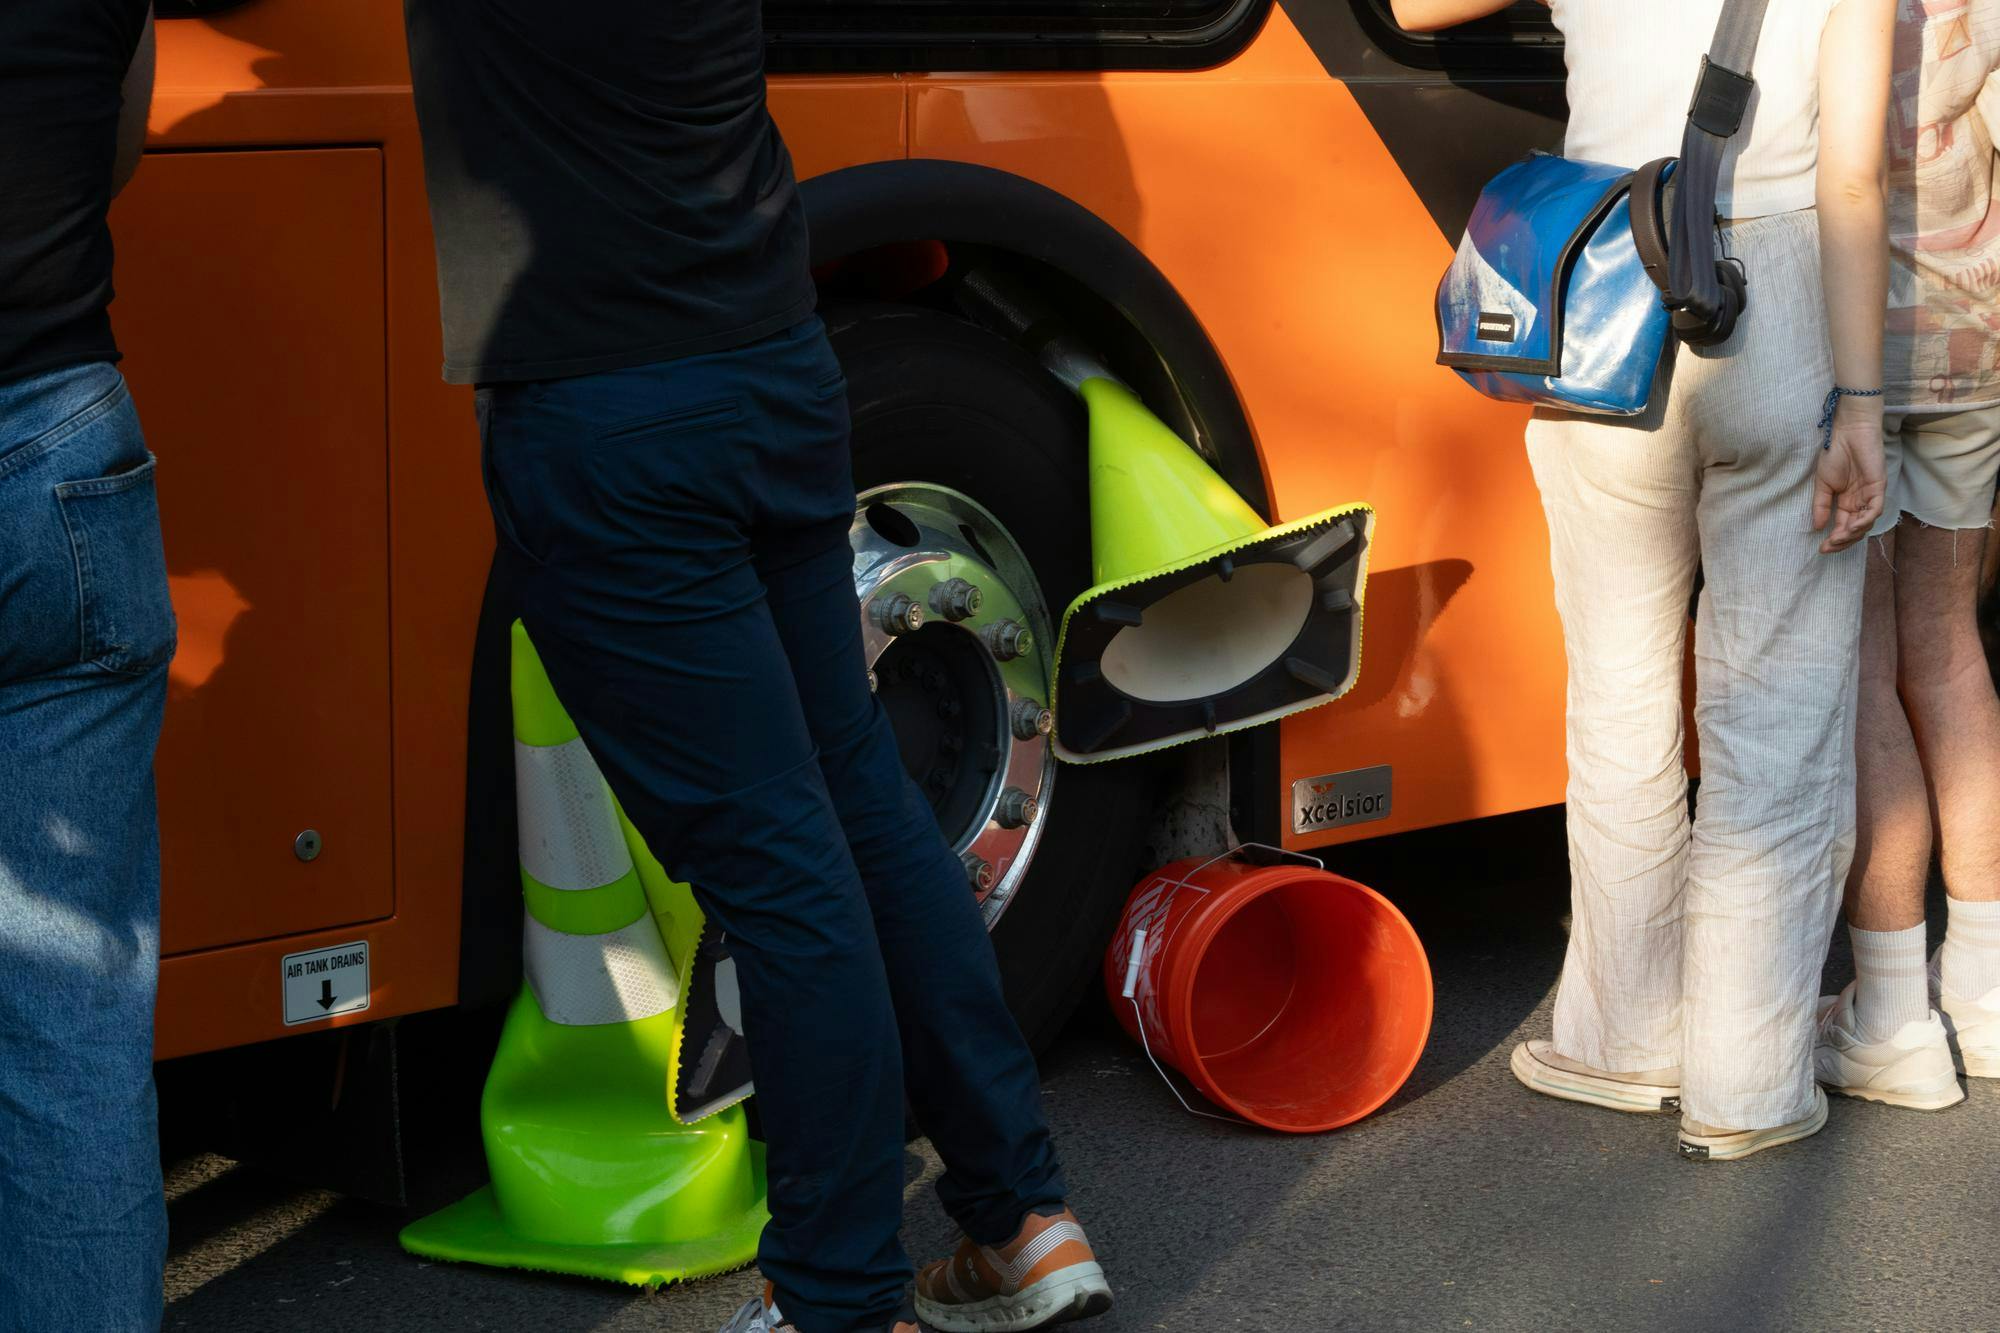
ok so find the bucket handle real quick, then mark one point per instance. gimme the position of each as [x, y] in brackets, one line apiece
[1246, 846]
[1139, 943]
[1187, 882]
[1132, 964]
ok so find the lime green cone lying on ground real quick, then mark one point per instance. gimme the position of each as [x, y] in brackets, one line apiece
[594, 1171]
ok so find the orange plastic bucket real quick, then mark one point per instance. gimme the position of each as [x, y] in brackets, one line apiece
[1295, 998]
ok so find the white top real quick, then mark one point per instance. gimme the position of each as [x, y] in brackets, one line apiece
[1632, 70]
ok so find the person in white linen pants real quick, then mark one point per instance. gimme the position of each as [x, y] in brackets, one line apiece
[1696, 945]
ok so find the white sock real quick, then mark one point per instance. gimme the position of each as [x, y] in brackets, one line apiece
[1892, 980]
[1971, 958]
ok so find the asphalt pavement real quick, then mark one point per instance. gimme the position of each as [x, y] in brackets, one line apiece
[1466, 1203]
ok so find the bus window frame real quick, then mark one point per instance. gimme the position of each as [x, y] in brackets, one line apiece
[796, 47]
[1500, 45]
[194, 9]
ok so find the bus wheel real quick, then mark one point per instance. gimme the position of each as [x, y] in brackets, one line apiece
[971, 535]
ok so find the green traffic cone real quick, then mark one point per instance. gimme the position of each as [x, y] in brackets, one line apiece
[1203, 619]
[605, 1162]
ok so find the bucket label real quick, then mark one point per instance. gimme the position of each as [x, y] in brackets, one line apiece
[1147, 912]
[1337, 799]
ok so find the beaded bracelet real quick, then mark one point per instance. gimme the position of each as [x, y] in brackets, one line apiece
[1833, 397]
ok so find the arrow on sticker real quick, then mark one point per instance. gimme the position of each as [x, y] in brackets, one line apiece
[326, 995]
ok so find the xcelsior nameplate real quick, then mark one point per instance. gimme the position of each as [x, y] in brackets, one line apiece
[1336, 799]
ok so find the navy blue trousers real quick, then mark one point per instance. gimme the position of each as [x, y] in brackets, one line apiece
[689, 588]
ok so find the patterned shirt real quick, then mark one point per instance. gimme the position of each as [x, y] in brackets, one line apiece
[1943, 347]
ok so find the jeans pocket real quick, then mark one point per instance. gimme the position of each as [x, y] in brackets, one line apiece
[678, 464]
[126, 614]
[493, 477]
[701, 416]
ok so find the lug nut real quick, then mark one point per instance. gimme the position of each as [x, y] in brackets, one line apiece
[978, 872]
[1016, 809]
[1030, 720]
[896, 614]
[955, 599]
[1007, 639]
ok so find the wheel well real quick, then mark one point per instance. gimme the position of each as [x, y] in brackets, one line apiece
[868, 225]
[1099, 283]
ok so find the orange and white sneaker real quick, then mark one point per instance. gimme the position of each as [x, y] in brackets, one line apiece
[1046, 1275]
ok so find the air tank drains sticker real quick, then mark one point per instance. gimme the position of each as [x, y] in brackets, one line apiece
[325, 983]
[1334, 800]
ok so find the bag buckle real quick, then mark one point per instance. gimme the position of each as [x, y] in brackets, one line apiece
[1721, 99]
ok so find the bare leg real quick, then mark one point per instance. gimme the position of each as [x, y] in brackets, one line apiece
[1948, 691]
[1989, 567]
[1885, 889]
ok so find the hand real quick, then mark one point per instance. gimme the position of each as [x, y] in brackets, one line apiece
[1430, 15]
[1848, 486]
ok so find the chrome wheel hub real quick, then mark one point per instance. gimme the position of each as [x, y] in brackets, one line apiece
[958, 644]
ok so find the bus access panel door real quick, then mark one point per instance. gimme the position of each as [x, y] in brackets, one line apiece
[1304, 197]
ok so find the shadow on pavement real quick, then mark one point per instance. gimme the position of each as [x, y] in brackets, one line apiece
[1466, 1203]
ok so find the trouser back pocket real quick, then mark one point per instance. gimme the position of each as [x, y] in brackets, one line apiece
[126, 619]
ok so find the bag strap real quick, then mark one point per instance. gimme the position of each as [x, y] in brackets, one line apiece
[1721, 98]
[1649, 231]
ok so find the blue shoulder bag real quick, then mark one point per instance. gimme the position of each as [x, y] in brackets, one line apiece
[1572, 274]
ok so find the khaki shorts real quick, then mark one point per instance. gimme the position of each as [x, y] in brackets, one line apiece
[1940, 467]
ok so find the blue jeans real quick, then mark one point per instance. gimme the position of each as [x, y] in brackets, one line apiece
[688, 583]
[86, 632]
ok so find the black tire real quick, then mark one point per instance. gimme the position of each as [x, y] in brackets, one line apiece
[935, 399]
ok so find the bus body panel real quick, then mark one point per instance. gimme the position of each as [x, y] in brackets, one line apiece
[279, 719]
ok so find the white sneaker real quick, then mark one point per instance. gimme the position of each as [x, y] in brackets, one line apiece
[1911, 1069]
[1973, 1026]
[760, 1315]
[1538, 1067]
[1708, 1143]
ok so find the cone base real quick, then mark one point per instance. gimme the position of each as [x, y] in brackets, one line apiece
[473, 1231]
[1101, 713]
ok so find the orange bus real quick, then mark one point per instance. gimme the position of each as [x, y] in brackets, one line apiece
[1242, 206]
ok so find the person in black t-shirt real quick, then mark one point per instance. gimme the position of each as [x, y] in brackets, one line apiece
[86, 632]
[623, 274]
[606, 187]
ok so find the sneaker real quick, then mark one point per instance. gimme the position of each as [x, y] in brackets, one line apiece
[1972, 1026]
[1706, 1143]
[1045, 1276]
[760, 1315]
[1540, 1069]
[1911, 1069]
